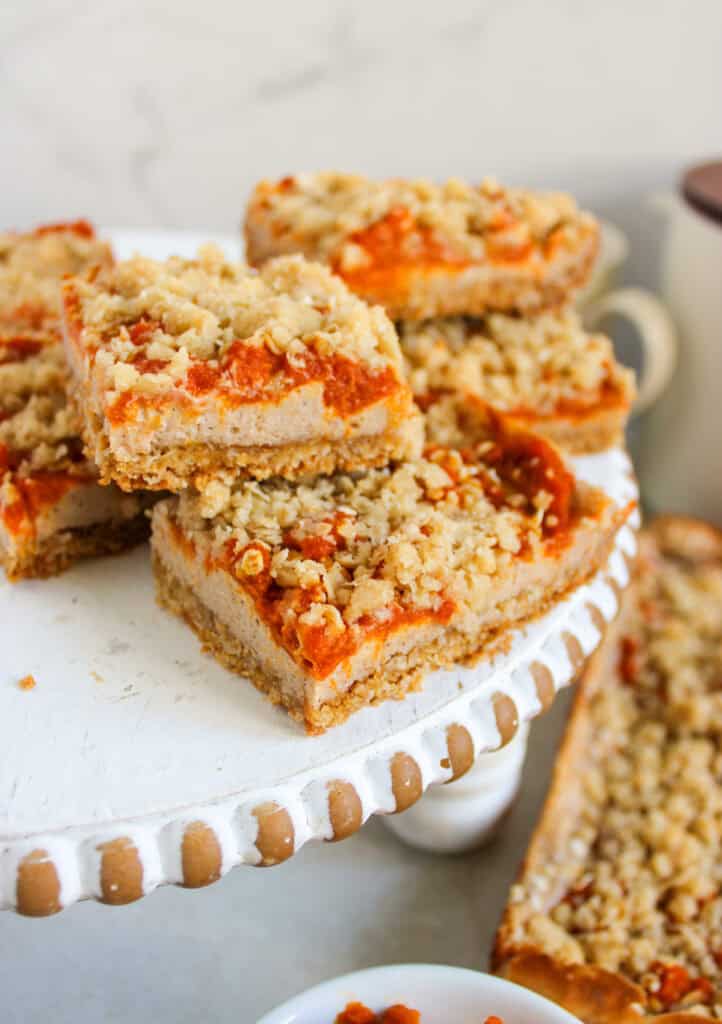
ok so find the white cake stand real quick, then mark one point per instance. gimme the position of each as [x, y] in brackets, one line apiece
[138, 761]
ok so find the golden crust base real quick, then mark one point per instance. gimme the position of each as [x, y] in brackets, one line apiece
[63, 549]
[193, 464]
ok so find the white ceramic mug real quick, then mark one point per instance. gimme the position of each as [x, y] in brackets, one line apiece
[680, 458]
[649, 316]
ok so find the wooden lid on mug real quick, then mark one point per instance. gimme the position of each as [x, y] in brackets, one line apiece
[702, 188]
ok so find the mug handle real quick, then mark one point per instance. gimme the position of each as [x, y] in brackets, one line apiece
[657, 333]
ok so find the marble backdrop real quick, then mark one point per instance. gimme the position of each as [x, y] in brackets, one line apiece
[154, 113]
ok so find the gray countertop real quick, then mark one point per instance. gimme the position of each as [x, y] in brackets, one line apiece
[230, 952]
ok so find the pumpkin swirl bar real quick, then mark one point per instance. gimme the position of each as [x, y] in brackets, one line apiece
[52, 508]
[544, 372]
[188, 368]
[32, 265]
[339, 593]
[425, 250]
[617, 914]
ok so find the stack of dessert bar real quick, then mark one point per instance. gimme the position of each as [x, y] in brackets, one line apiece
[480, 280]
[52, 508]
[324, 537]
[617, 914]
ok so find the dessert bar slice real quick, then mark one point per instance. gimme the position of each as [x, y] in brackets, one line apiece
[617, 914]
[191, 367]
[31, 268]
[338, 593]
[52, 509]
[425, 250]
[544, 372]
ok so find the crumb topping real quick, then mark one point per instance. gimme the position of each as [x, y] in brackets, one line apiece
[208, 325]
[544, 365]
[331, 562]
[33, 264]
[53, 250]
[642, 876]
[354, 222]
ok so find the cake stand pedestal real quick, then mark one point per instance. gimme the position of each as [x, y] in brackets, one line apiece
[463, 815]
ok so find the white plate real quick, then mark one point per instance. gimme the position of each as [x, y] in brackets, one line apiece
[443, 995]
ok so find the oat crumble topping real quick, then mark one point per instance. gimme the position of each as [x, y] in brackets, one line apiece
[425, 537]
[150, 326]
[324, 210]
[31, 267]
[546, 363]
[642, 875]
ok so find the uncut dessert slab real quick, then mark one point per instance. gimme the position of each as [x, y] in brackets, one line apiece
[615, 914]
